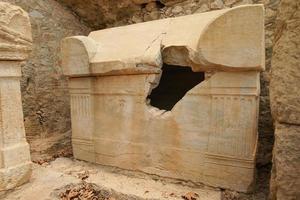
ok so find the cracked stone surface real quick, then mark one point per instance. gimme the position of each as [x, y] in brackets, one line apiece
[210, 134]
[46, 107]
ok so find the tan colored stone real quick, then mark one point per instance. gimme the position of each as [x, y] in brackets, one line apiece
[46, 106]
[170, 2]
[203, 8]
[285, 182]
[142, 1]
[48, 182]
[152, 16]
[285, 81]
[243, 2]
[209, 135]
[16, 33]
[203, 46]
[15, 44]
[177, 10]
[266, 132]
[229, 2]
[285, 102]
[217, 4]
[151, 6]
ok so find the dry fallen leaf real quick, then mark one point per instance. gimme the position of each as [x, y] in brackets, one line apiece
[190, 196]
[172, 194]
[83, 175]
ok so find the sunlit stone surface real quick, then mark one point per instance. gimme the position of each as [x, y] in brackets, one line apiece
[172, 97]
[15, 45]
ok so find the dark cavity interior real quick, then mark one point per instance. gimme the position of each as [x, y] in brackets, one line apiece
[175, 82]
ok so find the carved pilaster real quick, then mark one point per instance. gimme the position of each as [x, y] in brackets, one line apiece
[82, 115]
[15, 44]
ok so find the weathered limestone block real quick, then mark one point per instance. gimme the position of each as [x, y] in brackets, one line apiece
[285, 102]
[171, 97]
[286, 171]
[15, 45]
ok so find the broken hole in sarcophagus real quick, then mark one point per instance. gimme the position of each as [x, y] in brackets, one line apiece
[174, 83]
[120, 91]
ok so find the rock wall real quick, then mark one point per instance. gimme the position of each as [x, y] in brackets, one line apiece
[285, 102]
[44, 93]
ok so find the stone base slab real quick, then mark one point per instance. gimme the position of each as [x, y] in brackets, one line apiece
[15, 176]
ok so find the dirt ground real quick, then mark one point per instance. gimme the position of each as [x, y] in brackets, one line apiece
[67, 178]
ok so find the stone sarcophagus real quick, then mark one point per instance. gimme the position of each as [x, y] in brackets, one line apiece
[15, 45]
[175, 97]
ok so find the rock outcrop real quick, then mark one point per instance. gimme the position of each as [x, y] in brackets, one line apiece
[285, 102]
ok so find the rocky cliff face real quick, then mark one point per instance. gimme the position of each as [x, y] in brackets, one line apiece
[285, 102]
